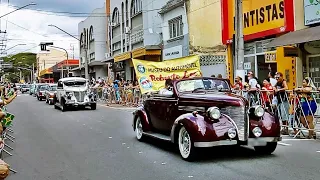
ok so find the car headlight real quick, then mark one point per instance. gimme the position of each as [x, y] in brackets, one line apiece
[232, 133]
[69, 94]
[257, 132]
[259, 111]
[214, 112]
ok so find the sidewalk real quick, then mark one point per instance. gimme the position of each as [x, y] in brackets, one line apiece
[305, 132]
[116, 106]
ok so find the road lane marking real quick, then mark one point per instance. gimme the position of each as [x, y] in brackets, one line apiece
[284, 144]
[318, 151]
[297, 139]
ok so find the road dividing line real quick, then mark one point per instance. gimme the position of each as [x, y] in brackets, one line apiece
[284, 144]
[318, 151]
[297, 139]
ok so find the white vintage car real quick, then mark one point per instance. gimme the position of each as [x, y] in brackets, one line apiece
[74, 92]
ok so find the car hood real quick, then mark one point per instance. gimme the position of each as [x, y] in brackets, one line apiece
[220, 98]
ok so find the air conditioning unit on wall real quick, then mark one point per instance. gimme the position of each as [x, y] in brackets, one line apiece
[127, 30]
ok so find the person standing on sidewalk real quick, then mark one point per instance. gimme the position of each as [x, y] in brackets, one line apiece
[309, 105]
[283, 104]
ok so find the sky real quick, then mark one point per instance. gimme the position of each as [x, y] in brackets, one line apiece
[29, 26]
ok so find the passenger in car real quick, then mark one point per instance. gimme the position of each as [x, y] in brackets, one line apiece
[168, 88]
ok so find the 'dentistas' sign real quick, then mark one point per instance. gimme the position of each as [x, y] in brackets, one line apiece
[152, 75]
[261, 18]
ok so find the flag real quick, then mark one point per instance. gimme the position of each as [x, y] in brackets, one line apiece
[7, 120]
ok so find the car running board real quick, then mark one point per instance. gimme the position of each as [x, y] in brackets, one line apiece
[158, 136]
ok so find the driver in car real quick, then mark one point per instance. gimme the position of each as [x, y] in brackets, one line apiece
[168, 88]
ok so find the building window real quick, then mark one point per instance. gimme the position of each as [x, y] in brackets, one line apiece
[115, 16]
[136, 7]
[176, 27]
[91, 34]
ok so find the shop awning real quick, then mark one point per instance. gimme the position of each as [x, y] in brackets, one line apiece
[122, 57]
[96, 63]
[65, 63]
[45, 71]
[146, 51]
[297, 37]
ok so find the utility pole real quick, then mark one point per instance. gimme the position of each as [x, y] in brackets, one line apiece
[32, 73]
[239, 41]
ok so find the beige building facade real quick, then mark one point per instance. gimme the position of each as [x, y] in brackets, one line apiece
[46, 60]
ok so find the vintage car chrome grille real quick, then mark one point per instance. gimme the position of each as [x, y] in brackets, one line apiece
[79, 96]
[239, 116]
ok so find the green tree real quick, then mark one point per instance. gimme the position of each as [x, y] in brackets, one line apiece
[24, 60]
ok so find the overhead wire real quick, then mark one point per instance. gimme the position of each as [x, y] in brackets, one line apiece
[81, 13]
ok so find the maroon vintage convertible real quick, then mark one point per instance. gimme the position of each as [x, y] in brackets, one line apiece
[203, 112]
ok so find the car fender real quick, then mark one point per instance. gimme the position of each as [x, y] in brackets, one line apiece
[193, 124]
[140, 112]
[200, 130]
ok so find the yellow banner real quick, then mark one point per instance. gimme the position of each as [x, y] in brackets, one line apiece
[152, 75]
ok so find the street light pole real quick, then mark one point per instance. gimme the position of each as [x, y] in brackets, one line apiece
[239, 41]
[12, 47]
[31, 4]
[85, 49]
[67, 59]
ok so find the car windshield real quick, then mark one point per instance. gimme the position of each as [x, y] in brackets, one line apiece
[215, 85]
[53, 88]
[75, 83]
[42, 88]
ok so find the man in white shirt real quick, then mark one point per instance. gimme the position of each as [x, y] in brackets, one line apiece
[253, 83]
[168, 88]
[273, 81]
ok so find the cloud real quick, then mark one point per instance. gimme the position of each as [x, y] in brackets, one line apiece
[62, 5]
[30, 27]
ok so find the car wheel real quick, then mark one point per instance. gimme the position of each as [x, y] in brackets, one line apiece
[93, 106]
[185, 144]
[139, 129]
[266, 150]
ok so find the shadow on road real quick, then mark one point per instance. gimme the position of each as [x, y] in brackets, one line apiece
[209, 155]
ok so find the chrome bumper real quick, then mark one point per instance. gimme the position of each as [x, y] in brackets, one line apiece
[215, 143]
[73, 103]
[262, 141]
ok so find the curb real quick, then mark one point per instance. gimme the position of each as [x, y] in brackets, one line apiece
[306, 132]
[118, 108]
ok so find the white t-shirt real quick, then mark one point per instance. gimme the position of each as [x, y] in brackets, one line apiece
[253, 83]
[165, 91]
[273, 82]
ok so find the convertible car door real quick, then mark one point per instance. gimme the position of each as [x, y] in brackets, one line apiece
[160, 110]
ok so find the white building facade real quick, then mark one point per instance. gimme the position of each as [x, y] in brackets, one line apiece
[93, 39]
[136, 32]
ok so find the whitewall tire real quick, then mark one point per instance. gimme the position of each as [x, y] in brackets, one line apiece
[185, 144]
[139, 129]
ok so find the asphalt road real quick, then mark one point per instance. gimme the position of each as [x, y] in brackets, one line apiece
[100, 145]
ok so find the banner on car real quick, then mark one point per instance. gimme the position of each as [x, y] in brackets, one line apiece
[152, 75]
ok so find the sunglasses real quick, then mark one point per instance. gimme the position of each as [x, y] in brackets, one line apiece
[277, 77]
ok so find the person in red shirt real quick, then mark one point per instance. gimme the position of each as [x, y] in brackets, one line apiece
[267, 92]
[238, 83]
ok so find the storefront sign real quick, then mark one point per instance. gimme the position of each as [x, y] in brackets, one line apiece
[172, 53]
[312, 47]
[260, 18]
[311, 12]
[270, 57]
[152, 75]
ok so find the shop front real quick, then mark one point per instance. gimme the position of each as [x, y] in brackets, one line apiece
[307, 43]
[45, 76]
[120, 66]
[263, 21]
